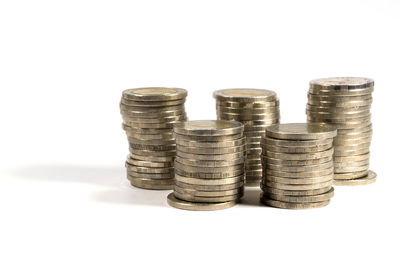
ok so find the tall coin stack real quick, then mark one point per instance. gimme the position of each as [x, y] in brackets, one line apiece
[345, 103]
[256, 109]
[297, 165]
[148, 118]
[209, 165]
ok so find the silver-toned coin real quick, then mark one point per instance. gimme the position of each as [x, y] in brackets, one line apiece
[186, 205]
[294, 150]
[351, 169]
[209, 180]
[150, 164]
[209, 163]
[290, 205]
[166, 184]
[152, 158]
[301, 131]
[361, 157]
[351, 163]
[220, 138]
[312, 192]
[298, 186]
[148, 169]
[303, 156]
[364, 180]
[236, 104]
[189, 168]
[244, 117]
[214, 157]
[154, 176]
[245, 95]
[305, 168]
[296, 162]
[210, 187]
[215, 175]
[219, 144]
[197, 193]
[154, 94]
[350, 175]
[152, 115]
[349, 153]
[152, 153]
[222, 110]
[192, 198]
[128, 120]
[152, 103]
[304, 174]
[296, 143]
[208, 128]
[284, 180]
[212, 151]
[156, 147]
[301, 199]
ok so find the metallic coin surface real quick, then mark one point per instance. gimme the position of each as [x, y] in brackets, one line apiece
[296, 162]
[219, 144]
[152, 184]
[350, 175]
[192, 198]
[198, 193]
[301, 199]
[225, 169]
[154, 176]
[209, 175]
[238, 104]
[135, 103]
[210, 180]
[364, 180]
[304, 174]
[312, 180]
[295, 150]
[208, 128]
[185, 205]
[246, 95]
[207, 139]
[291, 205]
[302, 156]
[296, 143]
[210, 187]
[305, 168]
[150, 158]
[298, 186]
[301, 131]
[138, 169]
[283, 192]
[230, 156]
[151, 164]
[209, 163]
[342, 83]
[154, 94]
[212, 151]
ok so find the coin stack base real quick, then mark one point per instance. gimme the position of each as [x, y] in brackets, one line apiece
[149, 115]
[297, 165]
[256, 109]
[209, 165]
[345, 103]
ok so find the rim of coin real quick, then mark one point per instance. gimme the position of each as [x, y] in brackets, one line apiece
[342, 83]
[291, 205]
[298, 186]
[300, 156]
[209, 181]
[152, 104]
[301, 199]
[296, 143]
[153, 115]
[250, 117]
[209, 163]
[152, 153]
[305, 168]
[355, 131]
[351, 163]
[244, 95]
[153, 158]
[151, 164]
[350, 153]
[132, 109]
[266, 122]
[154, 120]
[152, 184]
[154, 176]
[186, 205]
[214, 157]
[339, 119]
[360, 135]
[223, 110]
[152, 143]
[340, 98]
[198, 193]
[342, 125]
[364, 180]
[299, 181]
[301, 131]
[311, 192]
[337, 109]
[238, 104]
[350, 175]
[296, 150]
[351, 169]
[349, 104]
[351, 158]
[216, 145]
[154, 170]
[336, 116]
[208, 176]
[212, 151]
[352, 147]
[295, 162]
[154, 93]
[188, 168]
[302, 174]
[208, 128]
[206, 138]
[133, 146]
[192, 198]
[210, 187]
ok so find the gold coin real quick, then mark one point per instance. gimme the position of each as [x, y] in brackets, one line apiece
[208, 128]
[152, 115]
[237, 105]
[246, 95]
[254, 133]
[168, 136]
[301, 131]
[160, 142]
[303, 156]
[294, 181]
[283, 192]
[355, 131]
[209, 163]
[212, 151]
[135, 130]
[197, 193]
[230, 156]
[347, 104]
[291, 205]
[192, 198]
[152, 103]
[220, 138]
[358, 120]
[209, 180]
[351, 169]
[351, 141]
[154, 94]
[337, 117]
[364, 180]
[298, 186]
[124, 109]
[166, 184]
[301, 199]
[259, 122]
[216, 175]
[337, 110]
[339, 125]
[219, 144]
[185, 205]
[210, 187]
[338, 98]
[339, 84]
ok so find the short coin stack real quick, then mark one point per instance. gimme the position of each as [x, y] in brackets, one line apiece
[297, 165]
[345, 103]
[149, 115]
[256, 109]
[209, 165]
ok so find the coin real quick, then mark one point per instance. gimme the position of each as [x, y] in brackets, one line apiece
[152, 158]
[292, 149]
[152, 184]
[216, 175]
[152, 153]
[208, 138]
[210, 187]
[339, 104]
[351, 163]
[209, 180]
[206, 151]
[302, 156]
[259, 122]
[252, 110]
[351, 169]
[294, 181]
[154, 94]
[246, 95]
[197, 193]
[230, 156]
[219, 144]
[152, 103]
[298, 186]
[209, 163]
[336, 110]
[351, 158]
[208, 128]
[185, 205]
[134, 146]
[291, 205]
[339, 84]
[154, 142]
[283, 192]
[139, 169]
[237, 105]
[304, 168]
[301, 199]
[188, 197]
[364, 180]
[240, 117]
[350, 175]
[188, 168]
[152, 115]
[347, 153]
[339, 98]
[296, 143]
[132, 109]
[303, 174]
[151, 175]
[300, 131]
[152, 164]
[130, 120]
[295, 162]
[340, 116]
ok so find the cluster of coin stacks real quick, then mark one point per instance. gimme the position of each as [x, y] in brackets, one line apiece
[209, 165]
[297, 165]
[256, 109]
[148, 118]
[345, 103]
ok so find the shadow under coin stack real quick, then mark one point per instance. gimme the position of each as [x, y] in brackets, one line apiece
[209, 165]
[345, 103]
[297, 165]
[256, 109]
[149, 115]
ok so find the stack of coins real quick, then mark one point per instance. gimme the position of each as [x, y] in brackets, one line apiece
[209, 165]
[148, 118]
[297, 165]
[256, 109]
[345, 103]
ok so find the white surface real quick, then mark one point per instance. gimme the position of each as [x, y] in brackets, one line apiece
[63, 193]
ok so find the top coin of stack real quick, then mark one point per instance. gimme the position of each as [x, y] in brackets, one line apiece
[345, 103]
[209, 165]
[297, 165]
[148, 118]
[256, 109]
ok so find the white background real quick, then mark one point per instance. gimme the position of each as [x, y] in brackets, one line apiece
[64, 199]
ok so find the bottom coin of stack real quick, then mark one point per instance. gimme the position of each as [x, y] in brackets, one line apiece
[297, 165]
[209, 165]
